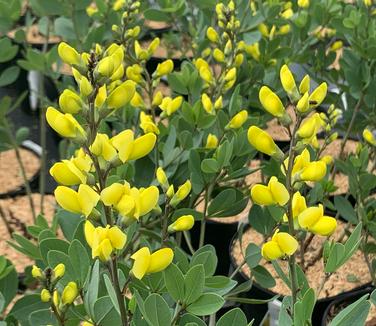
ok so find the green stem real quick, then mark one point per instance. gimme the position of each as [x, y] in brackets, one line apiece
[203, 222]
[118, 291]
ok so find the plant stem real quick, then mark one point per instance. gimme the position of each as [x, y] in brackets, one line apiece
[203, 222]
[4, 218]
[188, 241]
[118, 291]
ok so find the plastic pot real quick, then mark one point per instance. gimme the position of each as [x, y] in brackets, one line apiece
[258, 311]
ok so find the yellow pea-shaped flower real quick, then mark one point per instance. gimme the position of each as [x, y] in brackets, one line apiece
[36, 272]
[70, 102]
[314, 171]
[218, 55]
[85, 87]
[303, 103]
[160, 260]
[238, 120]
[263, 142]
[148, 200]
[271, 251]
[64, 124]
[325, 226]
[183, 223]
[274, 193]
[121, 95]
[162, 177]
[68, 54]
[59, 270]
[287, 80]
[282, 244]
[157, 98]
[142, 146]
[303, 3]
[369, 137]
[67, 173]
[310, 216]
[207, 103]
[165, 68]
[310, 126]
[70, 293]
[271, 102]
[182, 192]
[117, 237]
[218, 104]
[261, 195]
[211, 141]
[318, 95]
[212, 35]
[45, 295]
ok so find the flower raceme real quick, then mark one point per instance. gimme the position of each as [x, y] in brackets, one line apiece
[313, 220]
[147, 263]
[104, 240]
[183, 223]
[282, 244]
[272, 194]
[263, 142]
[131, 203]
[81, 202]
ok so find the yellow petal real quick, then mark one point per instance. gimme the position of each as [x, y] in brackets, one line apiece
[286, 242]
[271, 251]
[148, 199]
[141, 262]
[126, 206]
[310, 216]
[68, 54]
[63, 174]
[261, 195]
[124, 142]
[278, 191]
[121, 95]
[160, 260]
[183, 223]
[88, 198]
[142, 146]
[325, 226]
[262, 141]
[287, 80]
[117, 237]
[111, 195]
[67, 198]
[314, 171]
[89, 230]
[304, 85]
[318, 95]
[271, 102]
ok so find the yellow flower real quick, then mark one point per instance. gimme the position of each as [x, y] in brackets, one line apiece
[137, 101]
[313, 220]
[314, 171]
[304, 85]
[59, 270]
[130, 202]
[162, 178]
[64, 124]
[169, 105]
[327, 159]
[109, 65]
[303, 3]
[68, 54]
[218, 55]
[183, 223]
[310, 126]
[70, 102]
[318, 95]
[303, 103]
[271, 102]
[254, 51]
[45, 295]
[56, 298]
[121, 95]
[147, 124]
[325, 226]
[336, 46]
[218, 104]
[157, 99]
[298, 205]
[182, 192]
[141, 54]
[146, 263]
[165, 68]
[284, 29]
[118, 4]
[36, 272]
[238, 120]
[231, 74]
[170, 191]
[369, 137]
[207, 103]
[212, 35]
[263, 142]
[282, 244]
[134, 73]
[239, 59]
[211, 141]
[68, 173]
[274, 193]
[85, 87]
[81, 202]
[288, 81]
[142, 146]
[70, 293]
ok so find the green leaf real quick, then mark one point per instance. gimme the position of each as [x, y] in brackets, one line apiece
[47, 245]
[176, 82]
[8, 51]
[25, 246]
[9, 285]
[207, 259]
[235, 101]
[250, 300]
[252, 255]
[25, 306]
[206, 304]
[345, 209]
[194, 283]
[263, 277]
[219, 284]
[111, 292]
[234, 317]
[187, 319]
[9, 75]
[210, 165]
[156, 15]
[80, 261]
[105, 313]
[174, 281]
[157, 311]
[42, 317]
[354, 314]
[91, 294]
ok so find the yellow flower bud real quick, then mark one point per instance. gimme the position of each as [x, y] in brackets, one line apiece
[153, 46]
[68, 54]
[121, 95]
[170, 191]
[369, 137]
[81, 202]
[304, 85]
[56, 298]
[231, 74]
[157, 98]
[281, 244]
[211, 141]
[288, 13]
[207, 103]
[263, 29]
[274, 193]
[303, 104]
[238, 120]
[206, 52]
[212, 35]
[218, 104]
[85, 87]
[318, 95]
[70, 293]
[254, 51]
[141, 54]
[271, 102]
[169, 105]
[303, 3]
[314, 171]
[284, 29]
[182, 192]
[165, 68]
[263, 142]
[288, 81]
[327, 159]
[134, 73]
[218, 55]
[118, 4]
[45, 295]
[336, 46]
[310, 126]
[239, 59]
[59, 270]
[118, 73]
[70, 102]
[183, 223]
[146, 263]
[36, 272]
[64, 124]
[91, 11]
[162, 177]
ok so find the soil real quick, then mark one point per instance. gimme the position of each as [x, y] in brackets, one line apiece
[255, 177]
[151, 24]
[355, 269]
[277, 131]
[34, 37]
[63, 69]
[18, 214]
[334, 148]
[10, 172]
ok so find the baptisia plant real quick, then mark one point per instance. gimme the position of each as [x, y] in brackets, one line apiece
[296, 221]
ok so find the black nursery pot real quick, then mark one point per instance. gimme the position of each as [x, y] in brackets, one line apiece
[220, 236]
[344, 301]
[258, 311]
